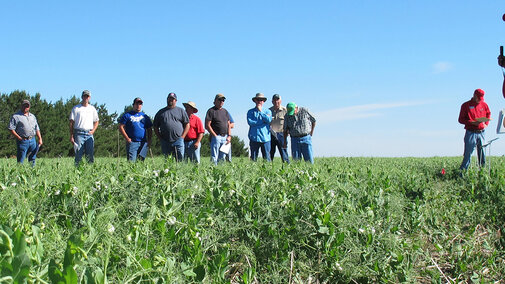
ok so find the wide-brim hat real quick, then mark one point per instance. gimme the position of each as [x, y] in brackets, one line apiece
[191, 104]
[259, 96]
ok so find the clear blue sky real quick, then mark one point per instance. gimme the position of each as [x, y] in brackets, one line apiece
[383, 78]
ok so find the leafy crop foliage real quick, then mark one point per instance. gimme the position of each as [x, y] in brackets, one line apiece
[350, 220]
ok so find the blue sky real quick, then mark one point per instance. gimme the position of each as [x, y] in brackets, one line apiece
[383, 78]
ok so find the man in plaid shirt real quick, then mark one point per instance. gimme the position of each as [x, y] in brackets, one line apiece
[299, 123]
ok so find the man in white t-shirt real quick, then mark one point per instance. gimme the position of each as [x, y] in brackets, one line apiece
[83, 123]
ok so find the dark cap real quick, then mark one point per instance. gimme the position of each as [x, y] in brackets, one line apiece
[276, 97]
[86, 93]
[219, 96]
[26, 102]
[137, 100]
[172, 95]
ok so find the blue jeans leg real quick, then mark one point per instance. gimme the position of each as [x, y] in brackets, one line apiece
[305, 145]
[215, 143]
[283, 151]
[175, 148]
[132, 150]
[190, 152]
[265, 150]
[254, 146]
[302, 146]
[295, 149]
[27, 147]
[85, 144]
[473, 140]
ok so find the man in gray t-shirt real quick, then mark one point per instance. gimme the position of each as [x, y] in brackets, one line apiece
[24, 127]
[171, 124]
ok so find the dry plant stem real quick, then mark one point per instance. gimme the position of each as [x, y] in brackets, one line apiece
[440, 270]
[291, 268]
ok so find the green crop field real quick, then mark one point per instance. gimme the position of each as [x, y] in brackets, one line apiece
[341, 220]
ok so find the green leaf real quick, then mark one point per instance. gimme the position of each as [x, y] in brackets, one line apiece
[70, 275]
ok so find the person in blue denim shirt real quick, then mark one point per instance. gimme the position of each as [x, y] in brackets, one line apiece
[136, 128]
[171, 125]
[299, 123]
[259, 120]
[24, 127]
[83, 124]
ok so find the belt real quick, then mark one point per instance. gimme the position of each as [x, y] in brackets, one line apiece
[476, 131]
[299, 136]
[27, 138]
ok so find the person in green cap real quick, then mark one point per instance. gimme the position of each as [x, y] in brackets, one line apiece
[299, 123]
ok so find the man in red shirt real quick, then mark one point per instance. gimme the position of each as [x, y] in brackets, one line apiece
[475, 115]
[195, 134]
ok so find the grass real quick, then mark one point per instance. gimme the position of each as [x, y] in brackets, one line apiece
[349, 220]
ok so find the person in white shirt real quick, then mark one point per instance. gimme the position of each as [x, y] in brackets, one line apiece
[83, 124]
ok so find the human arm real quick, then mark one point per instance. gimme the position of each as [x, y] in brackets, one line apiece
[95, 126]
[39, 136]
[228, 138]
[149, 134]
[209, 128]
[312, 128]
[15, 134]
[198, 140]
[71, 124]
[285, 134]
[123, 132]
[185, 131]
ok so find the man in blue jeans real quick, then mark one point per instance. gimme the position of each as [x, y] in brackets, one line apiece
[217, 122]
[136, 128]
[475, 115]
[24, 127]
[259, 119]
[83, 124]
[277, 128]
[299, 123]
[171, 125]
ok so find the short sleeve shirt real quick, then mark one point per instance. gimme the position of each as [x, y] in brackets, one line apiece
[219, 119]
[195, 128]
[277, 124]
[171, 122]
[83, 117]
[24, 125]
[299, 124]
[136, 124]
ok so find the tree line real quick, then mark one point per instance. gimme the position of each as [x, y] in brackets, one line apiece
[54, 127]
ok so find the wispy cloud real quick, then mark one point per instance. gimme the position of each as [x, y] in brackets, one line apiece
[359, 111]
[441, 66]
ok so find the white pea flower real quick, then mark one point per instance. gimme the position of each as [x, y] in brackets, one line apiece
[166, 171]
[232, 192]
[338, 266]
[331, 193]
[156, 173]
[192, 196]
[57, 192]
[373, 230]
[14, 184]
[171, 220]
[74, 191]
[111, 229]
[361, 230]
[129, 237]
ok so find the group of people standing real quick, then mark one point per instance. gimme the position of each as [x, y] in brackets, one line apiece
[179, 130]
